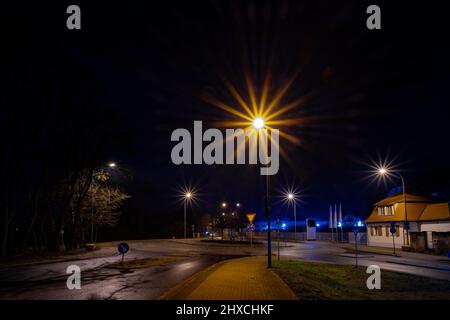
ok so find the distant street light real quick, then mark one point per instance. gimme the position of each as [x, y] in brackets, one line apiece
[186, 194]
[187, 197]
[224, 204]
[111, 165]
[291, 198]
[384, 171]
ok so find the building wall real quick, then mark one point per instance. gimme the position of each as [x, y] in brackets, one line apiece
[414, 227]
[440, 226]
[385, 240]
[430, 231]
[441, 242]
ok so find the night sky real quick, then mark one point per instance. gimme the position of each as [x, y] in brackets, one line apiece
[371, 93]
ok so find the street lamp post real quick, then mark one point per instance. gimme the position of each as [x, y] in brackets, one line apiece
[259, 123]
[267, 209]
[184, 219]
[111, 165]
[384, 171]
[406, 223]
[187, 197]
[291, 199]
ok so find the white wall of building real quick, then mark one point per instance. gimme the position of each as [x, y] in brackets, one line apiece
[440, 226]
[384, 240]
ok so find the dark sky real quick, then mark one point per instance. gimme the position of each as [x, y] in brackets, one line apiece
[381, 92]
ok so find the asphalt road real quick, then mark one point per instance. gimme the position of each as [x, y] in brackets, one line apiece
[47, 279]
[425, 265]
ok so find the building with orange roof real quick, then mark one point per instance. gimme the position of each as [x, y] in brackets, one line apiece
[427, 226]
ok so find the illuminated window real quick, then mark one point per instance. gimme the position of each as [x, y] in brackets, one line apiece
[386, 210]
[379, 231]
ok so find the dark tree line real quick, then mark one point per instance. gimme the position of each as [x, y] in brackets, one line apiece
[54, 135]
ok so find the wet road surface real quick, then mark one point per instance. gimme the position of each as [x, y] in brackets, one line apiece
[47, 279]
[99, 281]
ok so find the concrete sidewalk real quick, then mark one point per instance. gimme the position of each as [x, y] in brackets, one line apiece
[236, 279]
[389, 252]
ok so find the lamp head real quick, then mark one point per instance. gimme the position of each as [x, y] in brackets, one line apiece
[258, 123]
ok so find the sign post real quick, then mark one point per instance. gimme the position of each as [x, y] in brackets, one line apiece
[251, 226]
[123, 248]
[355, 231]
[393, 232]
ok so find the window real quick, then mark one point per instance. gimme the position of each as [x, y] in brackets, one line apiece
[376, 231]
[388, 231]
[379, 231]
[397, 231]
[386, 210]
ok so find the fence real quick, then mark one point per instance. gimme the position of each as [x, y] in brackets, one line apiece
[349, 237]
[301, 236]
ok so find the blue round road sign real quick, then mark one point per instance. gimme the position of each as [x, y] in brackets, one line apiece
[393, 228]
[123, 248]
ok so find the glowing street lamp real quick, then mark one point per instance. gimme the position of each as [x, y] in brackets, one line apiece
[224, 204]
[104, 178]
[291, 198]
[112, 164]
[258, 123]
[188, 195]
[261, 115]
[385, 171]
